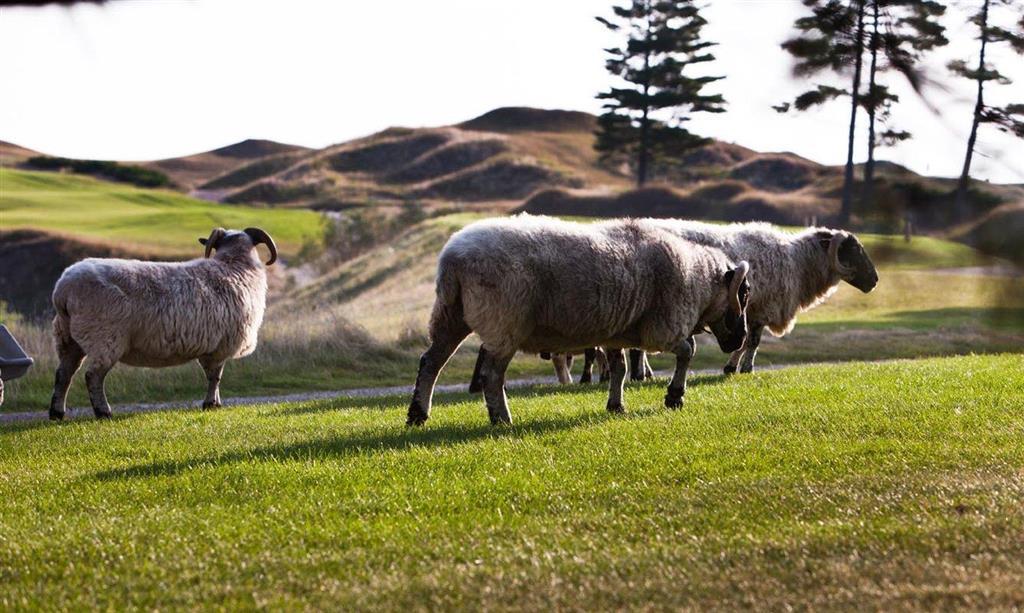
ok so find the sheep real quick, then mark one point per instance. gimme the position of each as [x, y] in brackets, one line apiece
[794, 272]
[525, 283]
[160, 314]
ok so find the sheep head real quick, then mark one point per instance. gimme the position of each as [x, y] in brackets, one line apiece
[731, 328]
[849, 260]
[235, 241]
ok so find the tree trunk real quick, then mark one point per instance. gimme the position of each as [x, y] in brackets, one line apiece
[847, 204]
[643, 155]
[869, 167]
[979, 106]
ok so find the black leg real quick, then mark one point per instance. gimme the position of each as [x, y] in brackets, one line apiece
[617, 366]
[677, 386]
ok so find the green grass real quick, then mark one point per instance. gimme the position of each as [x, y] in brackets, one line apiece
[897, 484]
[153, 221]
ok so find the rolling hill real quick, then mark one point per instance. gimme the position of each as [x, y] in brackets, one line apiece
[194, 170]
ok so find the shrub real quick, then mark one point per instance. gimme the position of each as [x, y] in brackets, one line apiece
[124, 173]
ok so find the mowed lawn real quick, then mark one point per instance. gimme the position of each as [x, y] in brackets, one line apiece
[152, 221]
[891, 485]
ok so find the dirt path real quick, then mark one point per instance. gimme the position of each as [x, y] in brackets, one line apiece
[362, 392]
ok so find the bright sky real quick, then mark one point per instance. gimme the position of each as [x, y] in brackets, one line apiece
[147, 79]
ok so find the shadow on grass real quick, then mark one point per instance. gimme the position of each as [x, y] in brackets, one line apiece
[364, 442]
[397, 437]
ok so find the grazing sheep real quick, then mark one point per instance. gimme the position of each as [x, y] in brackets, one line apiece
[541, 284]
[794, 272]
[160, 314]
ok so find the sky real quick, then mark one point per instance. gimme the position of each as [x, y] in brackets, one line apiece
[150, 79]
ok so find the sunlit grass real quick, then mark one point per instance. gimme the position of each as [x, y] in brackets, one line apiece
[897, 484]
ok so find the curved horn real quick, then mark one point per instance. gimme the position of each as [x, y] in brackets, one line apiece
[211, 243]
[259, 236]
[739, 275]
[833, 254]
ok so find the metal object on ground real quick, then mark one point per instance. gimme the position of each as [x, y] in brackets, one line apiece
[14, 362]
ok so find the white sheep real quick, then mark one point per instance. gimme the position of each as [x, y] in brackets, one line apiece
[794, 271]
[541, 284]
[160, 314]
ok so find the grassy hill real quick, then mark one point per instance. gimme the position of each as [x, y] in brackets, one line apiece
[897, 484]
[156, 222]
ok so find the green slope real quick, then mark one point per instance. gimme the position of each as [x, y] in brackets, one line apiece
[151, 221]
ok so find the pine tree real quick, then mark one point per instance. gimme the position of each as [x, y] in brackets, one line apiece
[1004, 118]
[831, 39]
[643, 120]
[901, 31]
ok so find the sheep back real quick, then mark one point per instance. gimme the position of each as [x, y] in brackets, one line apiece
[162, 314]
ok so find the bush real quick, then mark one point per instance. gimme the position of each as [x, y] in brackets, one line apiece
[136, 175]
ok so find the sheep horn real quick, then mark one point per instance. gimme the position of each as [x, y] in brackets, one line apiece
[211, 242]
[833, 254]
[259, 236]
[739, 275]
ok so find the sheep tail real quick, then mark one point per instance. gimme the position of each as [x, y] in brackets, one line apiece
[448, 313]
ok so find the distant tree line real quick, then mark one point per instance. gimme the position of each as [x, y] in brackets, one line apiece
[861, 41]
[125, 173]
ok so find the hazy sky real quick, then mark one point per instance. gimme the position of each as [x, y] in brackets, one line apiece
[146, 79]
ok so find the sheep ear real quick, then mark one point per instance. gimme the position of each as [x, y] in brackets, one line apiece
[202, 241]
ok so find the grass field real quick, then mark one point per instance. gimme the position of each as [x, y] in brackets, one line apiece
[151, 221]
[896, 484]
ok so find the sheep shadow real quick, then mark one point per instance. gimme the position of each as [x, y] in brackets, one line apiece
[364, 443]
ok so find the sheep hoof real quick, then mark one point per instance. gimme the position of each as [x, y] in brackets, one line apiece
[616, 407]
[604, 379]
[56, 415]
[475, 387]
[211, 405]
[674, 399]
[102, 413]
[747, 369]
[586, 378]
[416, 416]
[729, 369]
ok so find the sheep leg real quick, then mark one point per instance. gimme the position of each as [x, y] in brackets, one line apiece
[588, 365]
[677, 386]
[213, 371]
[734, 360]
[602, 365]
[71, 356]
[561, 364]
[751, 342]
[95, 375]
[617, 366]
[636, 365]
[476, 384]
[445, 341]
[494, 388]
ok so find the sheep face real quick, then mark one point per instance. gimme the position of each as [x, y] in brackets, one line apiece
[731, 327]
[854, 261]
[848, 259]
[232, 244]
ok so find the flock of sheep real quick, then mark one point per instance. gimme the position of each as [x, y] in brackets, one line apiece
[524, 283]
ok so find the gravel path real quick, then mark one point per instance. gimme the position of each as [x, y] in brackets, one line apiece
[361, 392]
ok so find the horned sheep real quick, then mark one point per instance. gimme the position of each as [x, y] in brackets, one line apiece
[160, 314]
[544, 285]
